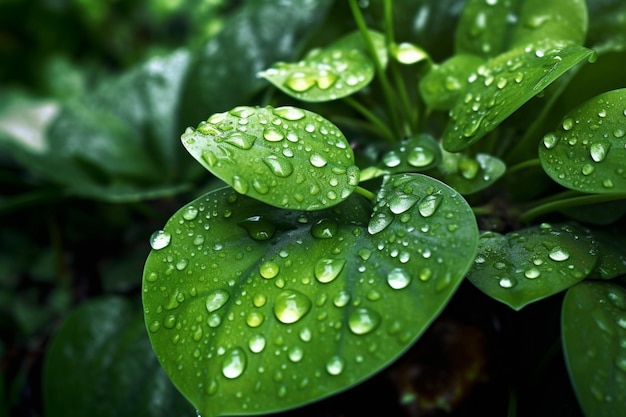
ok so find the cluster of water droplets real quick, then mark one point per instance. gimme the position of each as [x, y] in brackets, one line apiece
[414, 154]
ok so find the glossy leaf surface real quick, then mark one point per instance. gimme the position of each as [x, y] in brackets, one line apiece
[330, 73]
[593, 330]
[286, 157]
[505, 83]
[253, 309]
[588, 151]
[534, 263]
[100, 355]
[417, 153]
[469, 174]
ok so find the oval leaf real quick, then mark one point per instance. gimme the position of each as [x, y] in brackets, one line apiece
[286, 157]
[327, 74]
[504, 84]
[588, 152]
[100, 364]
[593, 326]
[254, 313]
[531, 264]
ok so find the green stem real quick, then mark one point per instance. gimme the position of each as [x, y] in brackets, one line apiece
[387, 90]
[365, 193]
[375, 120]
[568, 203]
[512, 411]
[531, 163]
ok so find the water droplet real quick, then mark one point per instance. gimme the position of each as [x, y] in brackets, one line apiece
[295, 354]
[425, 274]
[328, 269]
[558, 254]
[420, 157]
[398, 278]
[507, 282]
[407, 53]
[550, 140]
[260, 187]
[428, 205]
[379, 222]
[607, 183]
[324, 229]
[258, 227]
[325, 79]
[300, 82]
[160, 239]
[154, 326]
[588, 169]
[241, 140]
[568, 124]
[269, 270]
[256, 343]
[341, 299]
[254, 319]
[598, 151]
[290, 306]
[317, 160]
[289, 113]
[273, 135]
[240, 185]
[400, 203]
[392, 159]
[363, 320]
[532, 273]
[468, 168]
[234, 363]
[335, 365]
[216, 299]
[279, 167]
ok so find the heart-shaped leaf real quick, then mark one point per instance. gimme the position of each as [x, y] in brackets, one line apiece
[418, 153]
[531, 264]
[468, 174]
[327, 74]
[252, 309]
[503, 84]
[588, 152]
[593, 327]
[442, 86]
[286, 157]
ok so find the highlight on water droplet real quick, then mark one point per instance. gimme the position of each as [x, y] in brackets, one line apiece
[289, 113]
[398, 278]
[507, 282]
[428, 205]
[160, 239]
[558, 254]
[327, 269]
[234, 363]
[363, 320]
[335, 365]
[216, 299]
[290, 306]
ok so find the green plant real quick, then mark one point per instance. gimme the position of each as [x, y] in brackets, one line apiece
[331, 251]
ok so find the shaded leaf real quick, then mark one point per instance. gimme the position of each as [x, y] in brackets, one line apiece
[526, 266]
[607, 25]
[253, 309]
[100, 364]
[612, 256]
[286, 157]
[469, 174]
[587, 153]
[593, 327]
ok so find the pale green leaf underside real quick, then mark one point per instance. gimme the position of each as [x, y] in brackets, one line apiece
[505, 83]
[593, 326]
[253, 309]
[531, 264]
[336, 71]
[285, 156]
[588, 151]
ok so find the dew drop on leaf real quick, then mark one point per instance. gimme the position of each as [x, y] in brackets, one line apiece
[363, 320]
[598, 151]
[258, 227]
[289, 113]
[335, 365]
[256, 344]
[326, 270]
[428, 205]
[216, 299]
[234, 363]
[398, 278]
[420, 157]
[379, 222]
[160, 239]
[324, 229]
[269, 270]
[558, 254]
[279, 167]
[290, 306]
[508, 282]
[299, 82]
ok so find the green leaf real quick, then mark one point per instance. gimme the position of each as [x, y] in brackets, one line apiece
[252, 309]
[286, 157]
[526, 266]
[418, 153]
[593, 327]
[612, 259]
[505, 83]
[469, 174]
[607, 25]
[442, 86]
[100, 364]
[586, 153]
[336, 71]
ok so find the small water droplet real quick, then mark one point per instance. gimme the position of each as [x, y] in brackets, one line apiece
[558, 254]
[325, 79]
[335, 365]
[407, 53]
[290, 306]
[255, 319]
[507, 282]
[598, 151]
[256, 344]
[241, 140]
[607, 183]
[550, 140]
[295, 354]
[240, 185]
[216, 299]
[273, 135]
[400, 203]
[588, 169]
[300, 82]
[428, 205]
[269, 270]
[420, 157]
[328, 269]
[568, 124]
[469, 168]
[363, 320]
[379, 222]
[341, 299]
[398, 278]
[532, 273]
[391, 159]
[154, 326]
[234, 363]
[305, 334]
[160, 239]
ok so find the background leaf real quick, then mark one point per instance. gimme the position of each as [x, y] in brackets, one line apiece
[469, 174]
[587, 153]
[101, 356]
[533, 263]
[286, 157]
[597, 361]
[253, 309]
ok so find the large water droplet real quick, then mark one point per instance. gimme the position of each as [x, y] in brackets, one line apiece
[291, 305]
[568, 124]
[328, 269]
[295, 354]
[234, 363]
[420, 157]
[398, 278]
[507, 282]
[258, 227]
[341, 299]
[532, 273]
[279, 167]
[598, 151]
[160, 239]
[216, 299]
[363, 320]
[428, 205]
[241, 140]
[400, 203]
[379, 222]
[300, 82]
[550, 140]
[407, 53]
[269, 270]
[317, 160]
[335, 365]
[325, 79]
[256, 343]
[289, 113]
[558, 254]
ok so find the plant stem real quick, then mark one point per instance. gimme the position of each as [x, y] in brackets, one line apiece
[365, 193]
[569, 202]
[387, 90]
[530, 163]
[375, 120]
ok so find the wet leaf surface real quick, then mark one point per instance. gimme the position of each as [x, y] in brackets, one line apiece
[415, 154]
[469, 174]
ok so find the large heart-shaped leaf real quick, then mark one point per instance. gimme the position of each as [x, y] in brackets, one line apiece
[531, 264]
[336, 71]
[505, 83]
[100, 364]
[588, 151]
[594, 342]
[286, 157]
[253, 309]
